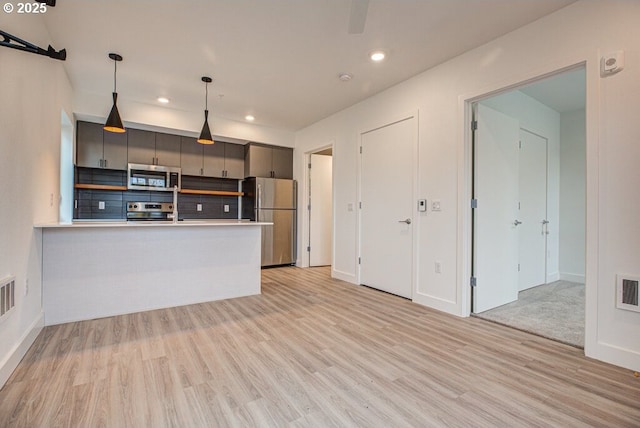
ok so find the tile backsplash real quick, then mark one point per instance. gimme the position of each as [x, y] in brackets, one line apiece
[112, 204]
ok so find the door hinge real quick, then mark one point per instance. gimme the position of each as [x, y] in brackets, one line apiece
[360, 149]
[309, 165]
[518, 267]
[474, 125]
[359, 260]
[360, 205]
[519, 144]
[472, 281]
[474, 203]
[309, 207]
[309, 249]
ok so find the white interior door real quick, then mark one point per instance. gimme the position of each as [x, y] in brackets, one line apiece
[386, 216]
[533, 210]
[321, 210]
[495, 229]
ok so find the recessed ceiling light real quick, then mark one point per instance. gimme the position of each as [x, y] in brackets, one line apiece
[250, 118]
[345, 77]
[377, 56]
[163, 100]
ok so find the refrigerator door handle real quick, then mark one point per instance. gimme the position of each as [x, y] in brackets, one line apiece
[259, 201]
[295, 194]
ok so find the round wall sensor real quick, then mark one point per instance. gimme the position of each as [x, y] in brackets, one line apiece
[345, 77]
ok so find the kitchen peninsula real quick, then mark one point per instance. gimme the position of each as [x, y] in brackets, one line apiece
[105, 268]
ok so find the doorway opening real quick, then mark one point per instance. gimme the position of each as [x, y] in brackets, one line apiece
[528, 255]
[320, 207]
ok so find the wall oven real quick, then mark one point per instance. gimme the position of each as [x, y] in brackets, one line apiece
[153, 177]
[149, 211]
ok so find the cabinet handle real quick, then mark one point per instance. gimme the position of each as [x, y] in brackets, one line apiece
[201, 171]
[100, 163]
[105, 163]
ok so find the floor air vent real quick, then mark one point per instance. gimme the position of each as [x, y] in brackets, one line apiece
[628, 291]
[7, 295]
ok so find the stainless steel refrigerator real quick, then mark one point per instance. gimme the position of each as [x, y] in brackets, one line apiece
[273, 200]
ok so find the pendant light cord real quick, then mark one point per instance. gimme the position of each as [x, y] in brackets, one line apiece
[206, 95]
[115, 69]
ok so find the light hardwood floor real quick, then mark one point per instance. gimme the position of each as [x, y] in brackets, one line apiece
[310, 351]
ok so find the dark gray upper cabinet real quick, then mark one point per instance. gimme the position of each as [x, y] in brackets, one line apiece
[99, 149]
[213, 160]
[96, 148]
[191, 156]
[268, 161]
[234, 161]
[282, 162]
[167, 149]
[221, 160]
[153, 148]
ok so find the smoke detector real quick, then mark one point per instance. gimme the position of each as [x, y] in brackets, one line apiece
[345, 77]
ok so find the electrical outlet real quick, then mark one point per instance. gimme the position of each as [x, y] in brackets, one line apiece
[226, 208]
[198, 207]
[101, 205]
[438, 267]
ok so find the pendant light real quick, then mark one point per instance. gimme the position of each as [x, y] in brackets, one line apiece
[205, 134]
[114, 123]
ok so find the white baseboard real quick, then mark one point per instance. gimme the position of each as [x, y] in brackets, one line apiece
[553, 277]
[438, 304]
[20, 349]
[627, 358]
[343, 276]
[572, 277]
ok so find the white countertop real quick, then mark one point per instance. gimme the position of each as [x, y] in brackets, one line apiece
[123, 223]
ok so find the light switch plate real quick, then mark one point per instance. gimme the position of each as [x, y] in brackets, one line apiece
[198, 207]
[226, 208]
[100, 205]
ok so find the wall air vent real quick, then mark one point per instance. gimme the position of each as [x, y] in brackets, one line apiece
[628, 292]
[7, 295]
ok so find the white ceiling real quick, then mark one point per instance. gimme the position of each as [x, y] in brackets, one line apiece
[276, 59]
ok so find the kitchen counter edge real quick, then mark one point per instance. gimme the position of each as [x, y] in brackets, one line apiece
[186, 223]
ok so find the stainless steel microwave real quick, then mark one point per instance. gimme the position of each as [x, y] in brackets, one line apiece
[153, 177]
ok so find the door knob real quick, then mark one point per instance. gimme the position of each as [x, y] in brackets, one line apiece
[408, 221]
[517, 222]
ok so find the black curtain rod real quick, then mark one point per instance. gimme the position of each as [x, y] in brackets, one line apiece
[16, 43]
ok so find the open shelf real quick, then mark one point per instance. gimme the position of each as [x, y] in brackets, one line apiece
[99, 187]
[184, 191]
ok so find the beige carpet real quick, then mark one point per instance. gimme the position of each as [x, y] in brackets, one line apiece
[555, 311]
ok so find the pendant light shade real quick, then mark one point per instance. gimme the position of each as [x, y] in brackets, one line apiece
[114, 123]
[205, 134]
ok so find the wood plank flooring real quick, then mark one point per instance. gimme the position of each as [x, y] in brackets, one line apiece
[310, 351]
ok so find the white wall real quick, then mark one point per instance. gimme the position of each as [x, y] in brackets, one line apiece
[33, 91]
[545, 122]
[572, 195]
[579, 33]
